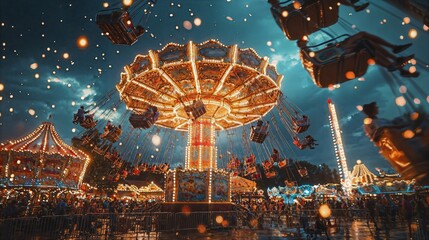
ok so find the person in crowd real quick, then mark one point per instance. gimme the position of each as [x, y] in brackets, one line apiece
[11, 210]
[376, 47]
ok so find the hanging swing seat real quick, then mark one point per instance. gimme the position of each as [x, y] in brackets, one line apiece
[303, 172]
[408, 156]
[99, 151]
[267, 164]
[271, 174]
[113, 135]
[250, 170]
[89, 122]
[141, 121]
[196, 109]
[257, 135]
[116, 24]
[330, 65]
[313, 15]
[300, 125]
[283, 163]
[269, 169]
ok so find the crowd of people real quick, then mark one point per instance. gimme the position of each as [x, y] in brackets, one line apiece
[74, 205]
[383, 212]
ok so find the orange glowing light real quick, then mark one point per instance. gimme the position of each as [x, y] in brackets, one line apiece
[225, 223]
[186, 210]
[197, 22]
[201, 228]
[367, 121]
[285, 13]
[82, 42]
[371, 61]
[414, 116]
[34, 66]
[400, 101]
[406, 20]
[187, 25]
[350, 75]
[127, 2]
[325, 211]
[297, 5]
[219, 219]
[412, 33]
[408, 134]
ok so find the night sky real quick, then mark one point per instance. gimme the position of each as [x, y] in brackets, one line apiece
[44, 72]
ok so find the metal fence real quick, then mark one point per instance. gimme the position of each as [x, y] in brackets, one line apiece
[145, 225]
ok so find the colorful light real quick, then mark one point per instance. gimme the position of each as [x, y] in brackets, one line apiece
[338, 145]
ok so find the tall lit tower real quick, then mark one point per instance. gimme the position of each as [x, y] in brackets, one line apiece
[338, 146]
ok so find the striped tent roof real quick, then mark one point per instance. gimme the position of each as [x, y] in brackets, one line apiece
[43, 140]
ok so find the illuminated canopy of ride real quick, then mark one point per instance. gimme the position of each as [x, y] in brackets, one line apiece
[235, 85]
[41, 159]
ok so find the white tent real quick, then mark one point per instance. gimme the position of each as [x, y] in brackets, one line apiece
[361, 174]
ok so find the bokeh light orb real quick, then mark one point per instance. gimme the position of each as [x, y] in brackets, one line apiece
[105, 4]
[350, 75]
[201, 228]
[408, 134]
[82, 42]
[186, 210]
[414, 116]
[371, 61]
[197, 22]
[127, 2]
[359, 107]
[406, 20]
[412, 33]
[156, 140]
[367, 121]
[400, 101]
[296, 5]
[219, 219]
[31, 112]
[285, 13]
[1, 87]
[225, 223]
[412, 69]
[66, 55]
[34, 66]
[417, 101]
[325, 211]
[187, 25]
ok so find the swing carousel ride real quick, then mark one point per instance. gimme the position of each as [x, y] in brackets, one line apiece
[200, 88]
